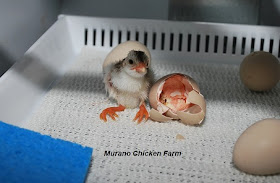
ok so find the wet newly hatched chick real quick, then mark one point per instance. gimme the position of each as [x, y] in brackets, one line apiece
[128, 82]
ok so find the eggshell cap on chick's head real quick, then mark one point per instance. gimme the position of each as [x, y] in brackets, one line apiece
[121, 51]
[191, 116]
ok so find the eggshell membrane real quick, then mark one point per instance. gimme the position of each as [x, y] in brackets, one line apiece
[257, 150]
[193, 115]
[121, 51]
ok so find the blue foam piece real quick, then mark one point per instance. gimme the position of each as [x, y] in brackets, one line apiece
[27, 156]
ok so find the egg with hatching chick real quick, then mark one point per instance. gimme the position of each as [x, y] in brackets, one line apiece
[177, 97]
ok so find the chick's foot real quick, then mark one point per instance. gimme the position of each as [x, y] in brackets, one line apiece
[111, 111]
[141, 113]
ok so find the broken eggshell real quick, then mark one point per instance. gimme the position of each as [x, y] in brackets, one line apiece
[177, 96]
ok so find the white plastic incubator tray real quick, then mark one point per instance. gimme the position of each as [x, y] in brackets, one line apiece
[57, 89]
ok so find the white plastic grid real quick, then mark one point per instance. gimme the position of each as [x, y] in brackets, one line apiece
[71, 109]
[213, 40]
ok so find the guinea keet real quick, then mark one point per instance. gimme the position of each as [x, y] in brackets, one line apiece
[127, 78]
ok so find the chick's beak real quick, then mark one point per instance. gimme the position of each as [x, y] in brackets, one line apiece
[140, 68]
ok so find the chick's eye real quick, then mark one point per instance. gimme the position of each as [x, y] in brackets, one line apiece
[130, 61]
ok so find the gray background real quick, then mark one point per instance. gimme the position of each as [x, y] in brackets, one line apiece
[22, 22]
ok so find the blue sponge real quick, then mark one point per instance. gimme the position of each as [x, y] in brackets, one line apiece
[27, 156]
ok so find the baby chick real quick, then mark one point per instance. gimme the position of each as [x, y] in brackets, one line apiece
[128, 81]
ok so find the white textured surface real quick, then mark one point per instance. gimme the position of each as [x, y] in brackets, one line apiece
[71, 109]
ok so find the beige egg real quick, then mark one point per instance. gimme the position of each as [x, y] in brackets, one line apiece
[260, 71]
[120, 52]
[257, 150]
[177, 96]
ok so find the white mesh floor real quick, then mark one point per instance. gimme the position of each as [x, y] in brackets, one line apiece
[70, 111]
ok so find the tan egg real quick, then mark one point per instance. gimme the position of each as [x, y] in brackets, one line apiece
[120, 52]
[257, 150]
[177, 96]
[260, 71]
